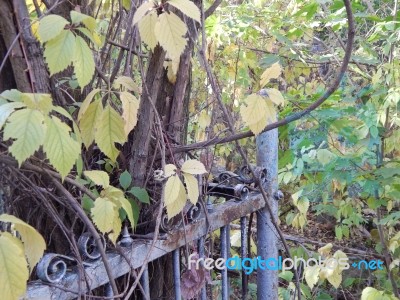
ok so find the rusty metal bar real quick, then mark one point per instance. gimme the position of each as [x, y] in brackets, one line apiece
[177, 273]
[224, 255]
[267, 241]
[244, 253]
[221, 215]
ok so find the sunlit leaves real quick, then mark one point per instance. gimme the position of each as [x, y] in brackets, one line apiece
[175, 193]
[311, 275]
[142, 11]
[83, 62]
[61, 149]
[146, 29]
[272, 72]
[98, 177]
[275, 96]
[89, 121]
[110, 130]
[50, 27]
[7, 109]
[192, 187]
[27, 128]
[14, 268]
[64, 47]
[59, 52]
[167, 28]
[187, 7]
[85, 104]
[15, 256]
[175, 196]
[369, 293]
[127, 83]
[257, 112]
[103, 214]
[170, 31]
[130, 107]
[33, 242]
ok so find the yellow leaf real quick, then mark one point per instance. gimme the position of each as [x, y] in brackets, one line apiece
[142, 11]
[175, 196]
[170, 31]
[41, 102]
[103, 214]
[146, 29]
[130, 107]
[89, 121]
[113, 194]
[325, 250]
[275, 96]
[204, 120]
[116, 229]
[187, 7]
[370, 293]
[170, 169]
[126, 205]
[34, 243]
[61, 149]
[271, 73]
[192, 187]
[27, 127]
[193, 167]
[100, 178]
[335, 278]
[110, 130]
[303, 204]
[59, 52]
[256, 112]
[86, 103]
[83, 62]
[7, 109]
[311, 274]
[14, 269]
[127, 83]
[50, 27]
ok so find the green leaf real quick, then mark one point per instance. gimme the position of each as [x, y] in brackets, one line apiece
[100, 178]
[110, 130]
[83, 62]
[7, 109]
[34, 243]
[125, 180]
[170, 31]
[61, 149]
[147, 26]
[14, 269]
[50, 27]
[89, 121]
[27, 127]
[59, 52]
[187, 7]
[126, 4]
[140, 194]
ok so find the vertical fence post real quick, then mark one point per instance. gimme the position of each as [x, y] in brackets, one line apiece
[177, 274]
[144, 280]
[200, 246]
[267, 237]
[224, 254]
[243, 253]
